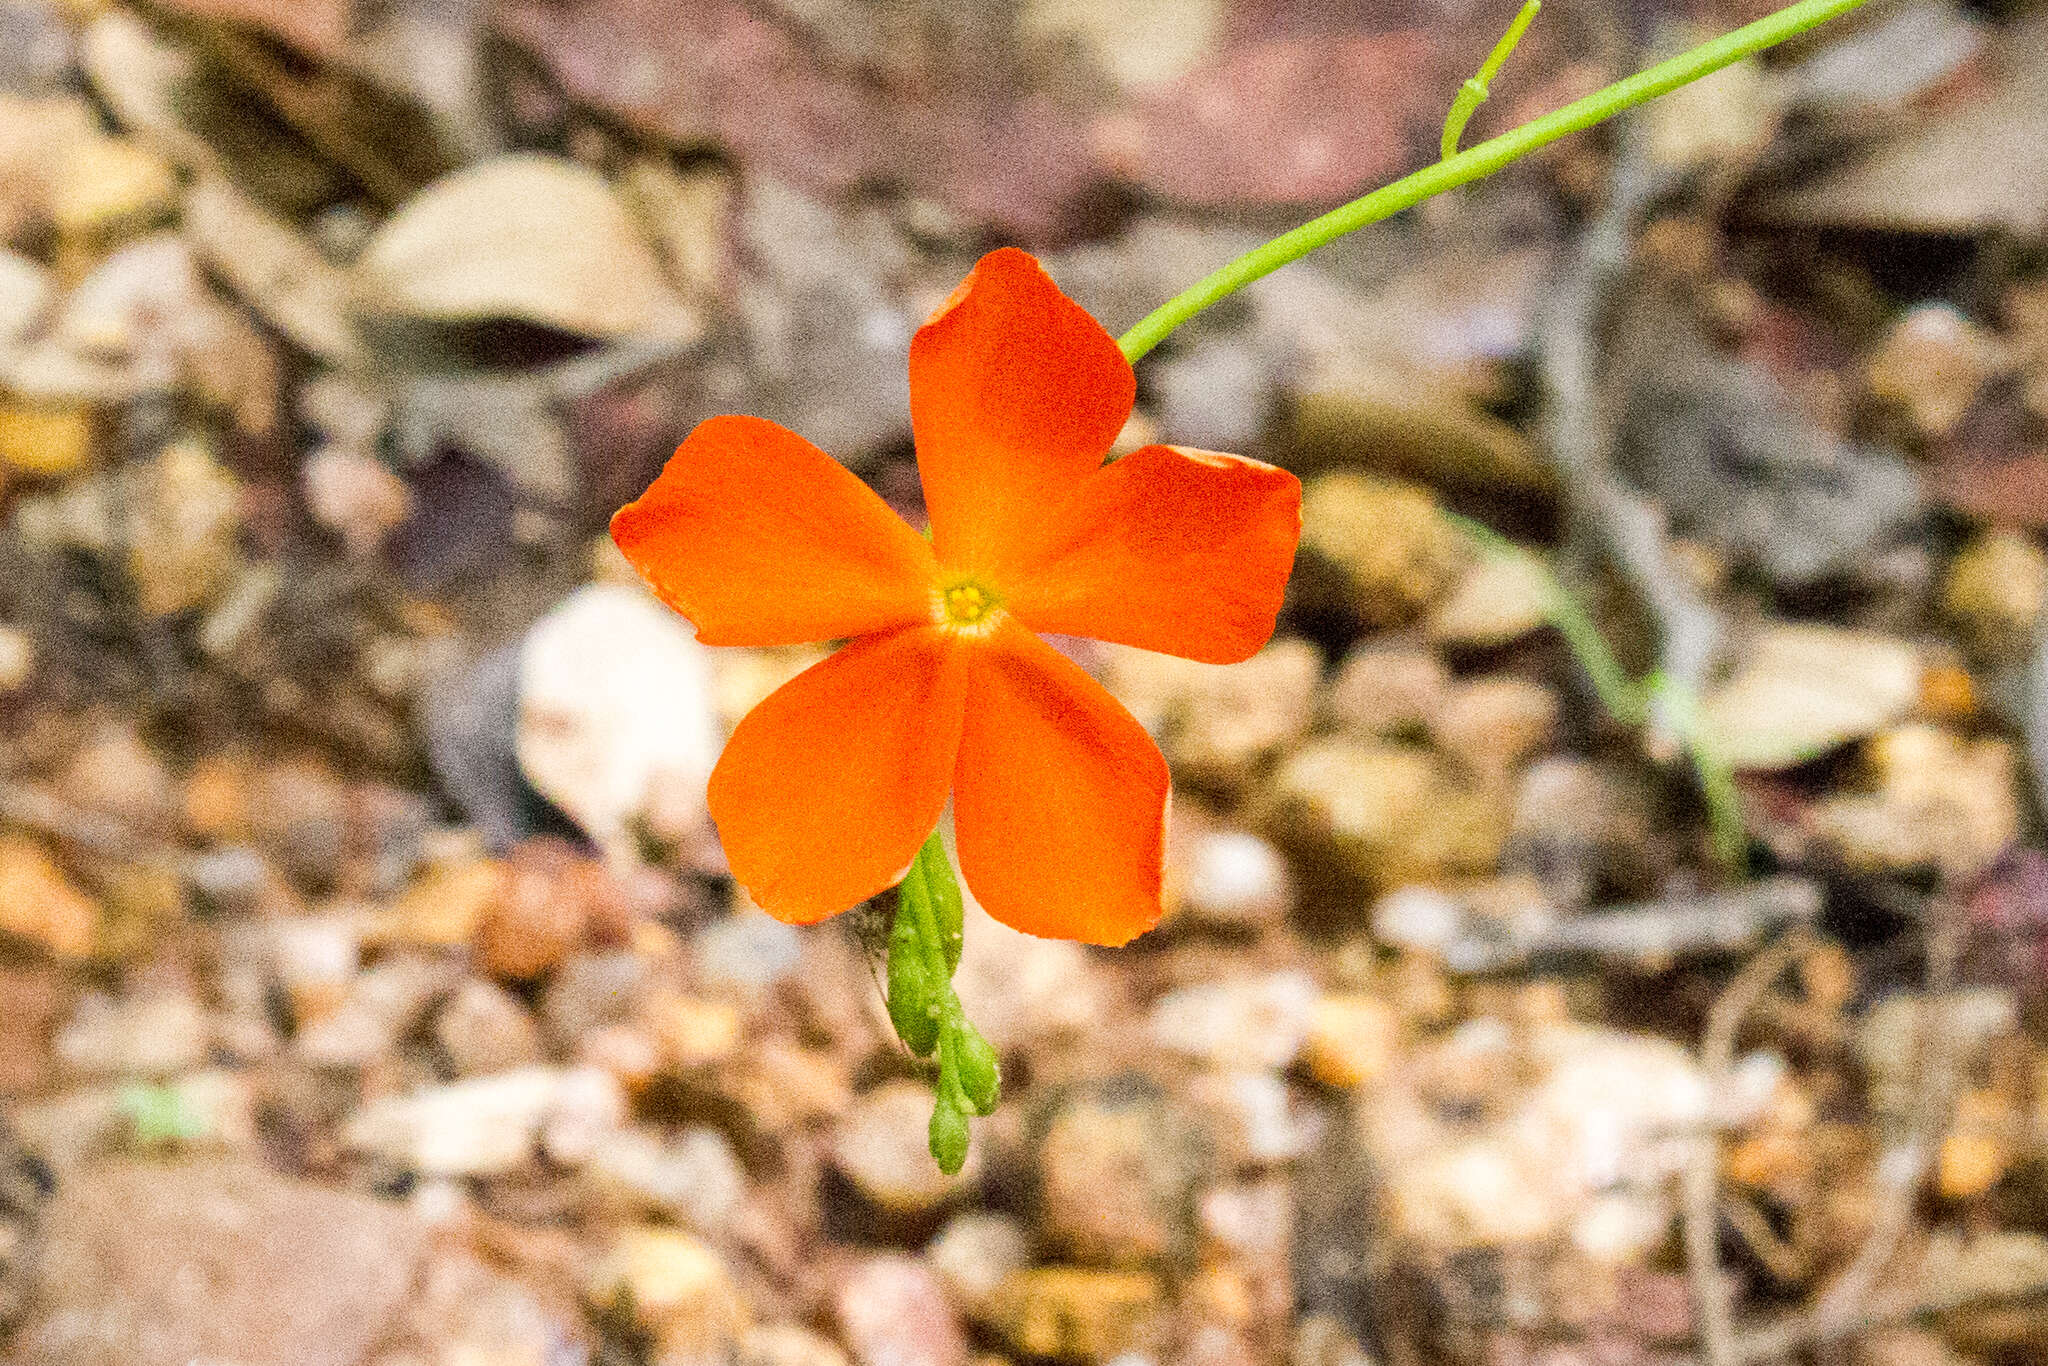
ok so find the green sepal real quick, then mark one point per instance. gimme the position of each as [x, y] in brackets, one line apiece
[913, 1001]
[943, 889]
[975, 1068]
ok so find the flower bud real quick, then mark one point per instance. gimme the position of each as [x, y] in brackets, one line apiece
[976, 1069]
[948, 1134]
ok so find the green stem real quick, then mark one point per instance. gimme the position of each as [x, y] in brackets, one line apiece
[1474, 92]
[1475, 162]
[1624, 699]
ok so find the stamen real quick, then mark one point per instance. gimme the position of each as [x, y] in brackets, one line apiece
[966, 606]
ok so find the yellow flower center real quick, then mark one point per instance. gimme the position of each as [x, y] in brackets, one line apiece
[966, 606]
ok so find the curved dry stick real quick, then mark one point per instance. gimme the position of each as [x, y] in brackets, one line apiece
[1718, 1342]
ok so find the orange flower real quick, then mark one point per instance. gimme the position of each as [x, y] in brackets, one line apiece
[828, 788]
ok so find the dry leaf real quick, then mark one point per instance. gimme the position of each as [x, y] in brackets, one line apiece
[1801, 690]
[523, 236]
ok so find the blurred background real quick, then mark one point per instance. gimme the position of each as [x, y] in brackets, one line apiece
[1667, 989]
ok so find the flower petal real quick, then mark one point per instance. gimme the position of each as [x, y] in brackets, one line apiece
[760, 538]
[1181, 551]
[1059, 800]
[1015, 395]
[826, 789]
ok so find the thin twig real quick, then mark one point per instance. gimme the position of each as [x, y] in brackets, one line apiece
[1844, 1308]
[1702, 1174]
[1579, 433]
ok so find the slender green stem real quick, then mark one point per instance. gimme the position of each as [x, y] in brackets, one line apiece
[1475, 162]
[1474, 92]
[1624, 699]
[1628, 701]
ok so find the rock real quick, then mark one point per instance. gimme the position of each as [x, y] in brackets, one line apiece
[146, 1264]
[688, 214]
[694, 1177]
[785, 1344]
[1801, 690]
[280, 274]
[46, 440]
[1396, 552]
[487, 1125]
[1891, 1035]
[1382, 814]
[675, 1287]
[1905, 1347]
[1022, 991]
[145, 319]
[1978, 1150]
[152, 1035]
[1741, 466]
[893, 1312]
[748, 952]
[1255, 1119]
[1939, 173]
[299, 815]
[880, 1147]
[615, 715]
[1496, 723]
[485, 1029]
[464, 1313]
[356, 496]
[107, 185]
[41, 904]
[38, 44]
[830, 344]
[1216, 722]
[975, 1253]
[1581, 825]
[184, 530]
[1721, 123]
[524, 236]
[1073, 1313]
[1931, 366]
[1233, 880]
[1247, 1024]
[1141, 46]
[1403, 380]
[556, 899]
[1354, 1040]
[18, 659]
[446, 905]
[1994, 589]
[1499, 599]
[315, 960]
[26, 291]
[1389, 691]
[1421, 919]
[1214, 393]
[117, 774]
[1583, 1128]
[1116, 1170]
[469, 712]
[589, 992]
[381, 1007]
[692, 1032]
[1240, 130]
[1940, 802]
